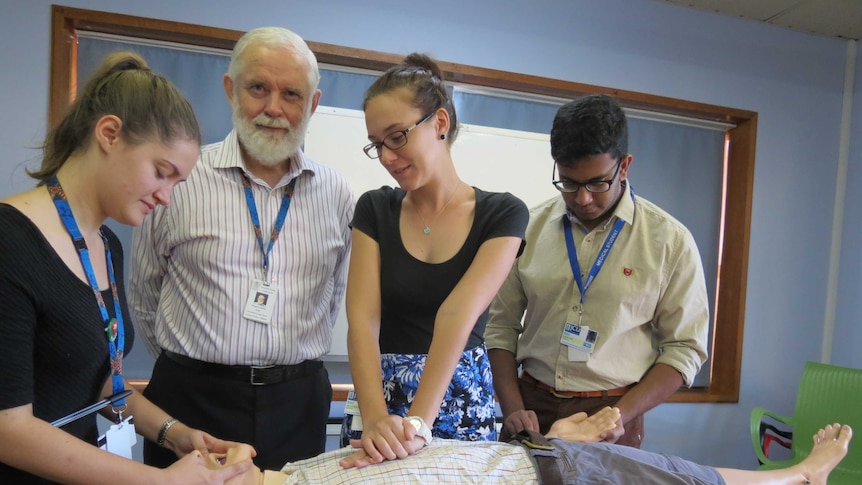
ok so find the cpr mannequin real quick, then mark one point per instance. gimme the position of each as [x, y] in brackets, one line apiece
[254, 476]
[577, 436]
[578, 427]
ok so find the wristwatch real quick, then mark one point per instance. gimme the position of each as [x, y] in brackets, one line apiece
[421, 428]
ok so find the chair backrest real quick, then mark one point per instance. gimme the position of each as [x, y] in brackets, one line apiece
[829, 394]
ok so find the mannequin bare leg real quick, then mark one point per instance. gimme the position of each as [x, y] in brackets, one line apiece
[830, 446]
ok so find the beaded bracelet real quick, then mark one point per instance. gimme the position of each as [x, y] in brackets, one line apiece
[163, 432]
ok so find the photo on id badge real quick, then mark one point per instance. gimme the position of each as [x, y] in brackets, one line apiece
[591, 339]
[260, 303]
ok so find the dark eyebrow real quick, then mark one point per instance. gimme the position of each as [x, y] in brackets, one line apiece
[388, 130]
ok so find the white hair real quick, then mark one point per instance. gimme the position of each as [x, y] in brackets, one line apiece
[274, 37]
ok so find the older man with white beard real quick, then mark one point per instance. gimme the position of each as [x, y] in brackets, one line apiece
[236, 286]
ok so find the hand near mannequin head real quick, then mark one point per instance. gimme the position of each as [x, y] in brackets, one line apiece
[253, 476]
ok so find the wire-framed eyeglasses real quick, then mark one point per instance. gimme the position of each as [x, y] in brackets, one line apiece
[594, 187]
[392, 141]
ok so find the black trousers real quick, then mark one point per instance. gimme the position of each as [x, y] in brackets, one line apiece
[283, 422]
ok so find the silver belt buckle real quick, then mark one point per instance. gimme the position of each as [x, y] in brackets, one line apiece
[254, 368]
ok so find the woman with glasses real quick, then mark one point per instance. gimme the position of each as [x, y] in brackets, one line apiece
[428, 257]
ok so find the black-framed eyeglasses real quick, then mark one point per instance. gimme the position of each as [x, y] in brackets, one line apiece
[392, 141]
[595, 187]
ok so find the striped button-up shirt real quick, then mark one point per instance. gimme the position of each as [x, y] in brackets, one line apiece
[194, 263]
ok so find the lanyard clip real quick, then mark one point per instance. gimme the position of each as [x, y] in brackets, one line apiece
[119, 412]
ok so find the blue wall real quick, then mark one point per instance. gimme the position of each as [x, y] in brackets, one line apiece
[848, 332]
[793, 80]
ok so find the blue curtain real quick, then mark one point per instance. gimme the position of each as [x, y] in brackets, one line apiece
[343, 89]
[497, 112]
[198, 75]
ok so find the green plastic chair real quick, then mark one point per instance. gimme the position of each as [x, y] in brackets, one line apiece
[827, 394]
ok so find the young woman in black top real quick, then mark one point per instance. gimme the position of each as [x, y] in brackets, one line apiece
[427, 258]
[122, 146]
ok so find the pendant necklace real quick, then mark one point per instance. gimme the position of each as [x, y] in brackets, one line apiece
[427, 229]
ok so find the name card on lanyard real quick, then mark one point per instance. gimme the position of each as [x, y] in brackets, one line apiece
[262, 296]
[578, 337]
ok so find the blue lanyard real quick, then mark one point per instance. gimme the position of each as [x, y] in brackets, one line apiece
[113, 326]
[583, 286]
[255, 220]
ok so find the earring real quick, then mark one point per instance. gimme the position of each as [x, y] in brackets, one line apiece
[442, 136]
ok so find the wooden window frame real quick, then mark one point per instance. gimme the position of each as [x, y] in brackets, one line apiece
[726, 352]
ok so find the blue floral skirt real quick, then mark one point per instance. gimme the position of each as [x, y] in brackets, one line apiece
[467, 412]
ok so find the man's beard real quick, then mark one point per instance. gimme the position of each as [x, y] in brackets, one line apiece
[263, 145]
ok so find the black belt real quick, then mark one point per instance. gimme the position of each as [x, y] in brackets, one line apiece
[256, 375]
[544, 453]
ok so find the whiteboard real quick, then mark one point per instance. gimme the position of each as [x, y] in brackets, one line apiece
[492, 159]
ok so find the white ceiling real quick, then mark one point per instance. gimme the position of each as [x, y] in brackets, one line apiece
[833, 18]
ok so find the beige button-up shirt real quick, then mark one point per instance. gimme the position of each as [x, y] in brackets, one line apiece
[648, 303]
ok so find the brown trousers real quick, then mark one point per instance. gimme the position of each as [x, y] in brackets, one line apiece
[549, 408]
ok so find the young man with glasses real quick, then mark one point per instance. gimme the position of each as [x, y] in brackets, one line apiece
[612, 286]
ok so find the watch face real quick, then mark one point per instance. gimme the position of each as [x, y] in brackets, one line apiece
[416, 424]
[423, 431]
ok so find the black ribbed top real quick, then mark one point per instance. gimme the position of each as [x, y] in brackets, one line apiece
[53, 350]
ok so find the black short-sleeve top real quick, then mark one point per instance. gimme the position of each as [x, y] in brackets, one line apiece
[412, 290]
[54, 351]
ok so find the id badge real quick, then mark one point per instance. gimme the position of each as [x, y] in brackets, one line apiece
[351, 406]
[356, 423]
[260, 303]
[576, 355]
[120, 438]
[574, 335]
[580, 341]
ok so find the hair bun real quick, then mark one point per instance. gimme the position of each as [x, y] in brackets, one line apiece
[125, 61]
[422, 62]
